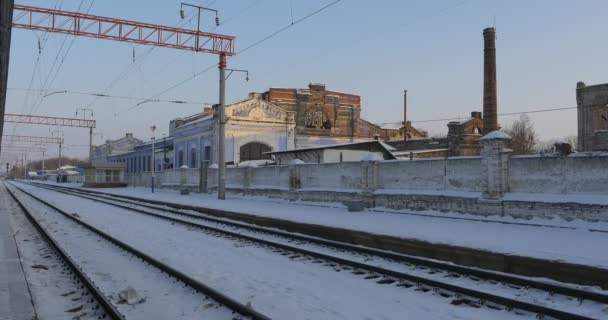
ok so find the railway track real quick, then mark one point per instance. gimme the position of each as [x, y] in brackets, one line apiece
[474, 287]
[219, 299]
[100, 306]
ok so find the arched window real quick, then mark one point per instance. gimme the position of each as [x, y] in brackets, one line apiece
[254, 151]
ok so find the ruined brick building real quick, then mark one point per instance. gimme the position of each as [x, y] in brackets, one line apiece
[592, 114]
[324, 116]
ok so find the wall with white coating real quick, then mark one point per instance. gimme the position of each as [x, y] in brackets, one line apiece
[567, 175]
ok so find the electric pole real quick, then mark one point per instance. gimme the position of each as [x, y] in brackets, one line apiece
[6, 18]
[221, 146]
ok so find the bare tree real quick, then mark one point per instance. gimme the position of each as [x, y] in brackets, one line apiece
[523, 135]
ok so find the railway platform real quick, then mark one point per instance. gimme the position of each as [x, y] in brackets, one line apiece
[15, 299]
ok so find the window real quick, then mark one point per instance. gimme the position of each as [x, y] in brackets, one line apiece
[254, 151]
[207, 153]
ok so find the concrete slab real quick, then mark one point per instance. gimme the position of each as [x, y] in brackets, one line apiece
[15, 299]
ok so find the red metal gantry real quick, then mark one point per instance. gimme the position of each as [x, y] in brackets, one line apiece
[50, 121]
[32, 139]
[76, 23]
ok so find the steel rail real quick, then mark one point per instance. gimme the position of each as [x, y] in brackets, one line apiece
[109, 308]
[502, 277]
[195, 284]
[482, 296]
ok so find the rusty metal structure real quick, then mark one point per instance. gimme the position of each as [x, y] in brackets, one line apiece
[88, 25]
[81, 24]
[50, 121]
[32, 139]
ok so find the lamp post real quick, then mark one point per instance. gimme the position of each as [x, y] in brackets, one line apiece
[153, 128]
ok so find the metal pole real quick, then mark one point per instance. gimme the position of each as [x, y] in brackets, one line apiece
[91, 145]
[6, 18]
[221, 155]
[164, 152]
[59, 163]
[153, 165]
[198, 27]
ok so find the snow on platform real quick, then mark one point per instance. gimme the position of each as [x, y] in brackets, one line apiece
[575, 244]
[15, 299]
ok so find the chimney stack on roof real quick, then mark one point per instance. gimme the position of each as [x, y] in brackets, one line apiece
[490, 104]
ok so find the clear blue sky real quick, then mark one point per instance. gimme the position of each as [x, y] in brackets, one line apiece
[371, 48]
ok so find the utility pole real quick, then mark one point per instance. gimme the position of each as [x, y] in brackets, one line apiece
[164, 152]
[221, 146]
[84, 111]
[6, 18]
[153, 128]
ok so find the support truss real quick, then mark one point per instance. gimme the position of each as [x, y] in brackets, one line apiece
[23, 149]
[49, 121]
[32, 139]
[81, 24]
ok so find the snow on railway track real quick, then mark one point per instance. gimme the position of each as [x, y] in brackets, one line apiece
[444, 283]
[131, 283]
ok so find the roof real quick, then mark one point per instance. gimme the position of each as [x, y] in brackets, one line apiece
[406, 152]
[374, 143]
[391, 126]
[496, 135]
[202, 119]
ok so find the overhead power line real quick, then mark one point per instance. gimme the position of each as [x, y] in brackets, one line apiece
[254, 44]
[500, 114]
[103, 95]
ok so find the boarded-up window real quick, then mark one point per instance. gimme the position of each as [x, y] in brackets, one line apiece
[254, 151]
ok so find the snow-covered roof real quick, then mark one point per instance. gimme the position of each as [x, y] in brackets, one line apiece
[391, 126]
[398, 153]
[205, 118]
[497, 134]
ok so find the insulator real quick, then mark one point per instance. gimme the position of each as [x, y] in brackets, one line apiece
[217, 21]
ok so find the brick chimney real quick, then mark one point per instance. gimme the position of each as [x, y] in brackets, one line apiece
[404, 115]
[490, 122]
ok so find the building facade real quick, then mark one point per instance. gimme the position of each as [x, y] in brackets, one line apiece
[123, 145]
[140, 158]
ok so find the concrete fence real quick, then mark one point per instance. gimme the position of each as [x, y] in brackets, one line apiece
[467, 184]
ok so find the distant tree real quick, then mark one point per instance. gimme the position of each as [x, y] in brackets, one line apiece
[523, 135]
[548, 146]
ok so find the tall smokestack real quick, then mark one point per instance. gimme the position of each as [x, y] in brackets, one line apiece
[404, 115]
[490, 122]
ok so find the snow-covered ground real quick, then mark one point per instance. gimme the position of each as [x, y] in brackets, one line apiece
[274, 285]
[571, 242]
